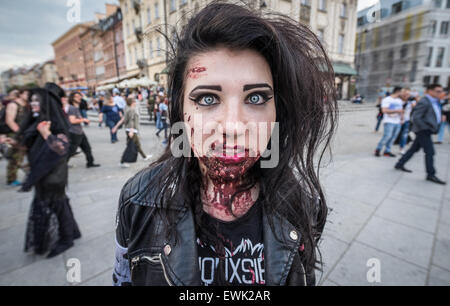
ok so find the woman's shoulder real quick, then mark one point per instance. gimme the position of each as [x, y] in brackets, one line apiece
[144, 189]
[136, 188]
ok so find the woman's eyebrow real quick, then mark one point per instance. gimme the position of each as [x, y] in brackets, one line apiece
[211, 87]
[252, 86]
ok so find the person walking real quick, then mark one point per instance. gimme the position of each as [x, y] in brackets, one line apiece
[110, 114]
[77, 136]
[425, 119]
[392, 108]
[131, 122]
[16, 111]
[51, 227]
[163, 114]
[445, 122]
[119, 101]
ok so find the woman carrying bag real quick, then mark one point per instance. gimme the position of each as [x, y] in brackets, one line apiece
[131, 122]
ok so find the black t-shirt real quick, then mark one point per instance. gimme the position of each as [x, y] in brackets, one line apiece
[244, 250]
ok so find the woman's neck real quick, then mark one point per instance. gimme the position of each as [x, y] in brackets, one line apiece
[217, 194]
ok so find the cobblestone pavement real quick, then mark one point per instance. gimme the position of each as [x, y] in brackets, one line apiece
[399, 220]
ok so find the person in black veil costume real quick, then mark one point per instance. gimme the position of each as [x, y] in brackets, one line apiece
[51, 225]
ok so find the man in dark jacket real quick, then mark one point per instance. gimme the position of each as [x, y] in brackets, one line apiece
[426, 118]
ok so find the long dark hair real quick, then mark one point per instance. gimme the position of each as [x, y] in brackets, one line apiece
[305, 109]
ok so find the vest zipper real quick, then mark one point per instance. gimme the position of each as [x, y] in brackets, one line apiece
[304, 273]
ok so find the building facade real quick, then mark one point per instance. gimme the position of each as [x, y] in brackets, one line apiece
[403, 43]
[113, 47]
[334, 21]
[70, 58]
[47, 73]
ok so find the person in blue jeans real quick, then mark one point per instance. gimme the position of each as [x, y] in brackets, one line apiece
[111, 114]
[392, 108]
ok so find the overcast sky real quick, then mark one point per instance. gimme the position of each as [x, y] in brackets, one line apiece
[28, 27]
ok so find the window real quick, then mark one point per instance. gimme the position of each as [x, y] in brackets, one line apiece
[130, 57]
[396, 8]
[444, 28]
[183, 2]
[151, 49]
[173, 5]
[322, 5]
[448, 4]
[158, 47]
[341, 43]
[305, 13]
[436, 79]
[343, 11]
[404, 52]
[375, 61]
[149, 16]
[429, 56]
[305, 2]
[390, 59]
[440, 57]
[433, 27]
[156, 11]
[360, 21]
[393, 34]
[412, 74]
[126, 7]
[426, 80]
[437, 3]
[321, 34]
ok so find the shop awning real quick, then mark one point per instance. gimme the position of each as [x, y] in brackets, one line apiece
[343, 69]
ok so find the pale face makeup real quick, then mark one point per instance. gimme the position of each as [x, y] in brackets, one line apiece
[225, 91]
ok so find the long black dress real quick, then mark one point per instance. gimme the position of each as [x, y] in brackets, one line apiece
[51, 225]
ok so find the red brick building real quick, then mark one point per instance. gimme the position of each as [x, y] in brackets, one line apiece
[69, 57]
[113, 46]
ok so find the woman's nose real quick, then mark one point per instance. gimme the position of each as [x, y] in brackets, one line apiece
[233, 118]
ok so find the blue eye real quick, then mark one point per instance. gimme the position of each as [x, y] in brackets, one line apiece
[258, 98]
[208, 100]
[205, 100]
[255, 99]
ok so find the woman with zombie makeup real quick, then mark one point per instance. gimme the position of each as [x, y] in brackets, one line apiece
[51, 227]
[236, 198]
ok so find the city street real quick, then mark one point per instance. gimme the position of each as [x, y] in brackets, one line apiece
[377, 213]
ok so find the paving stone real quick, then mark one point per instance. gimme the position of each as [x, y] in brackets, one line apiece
[353, 269]
[398, 240]
[404, 213]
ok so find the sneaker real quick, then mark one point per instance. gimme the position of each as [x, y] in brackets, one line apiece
[15, 183]
[402, 152]
[388, 154]
[124, 165]
[434, 179]
[377, 153]
[148, 157]
[165, 142]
